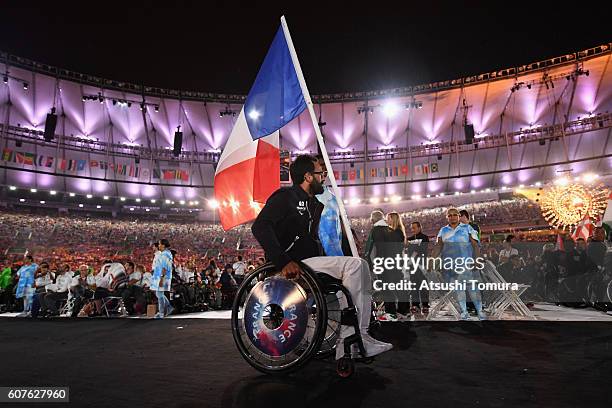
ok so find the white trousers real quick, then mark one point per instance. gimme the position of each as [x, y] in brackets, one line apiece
[355, 276]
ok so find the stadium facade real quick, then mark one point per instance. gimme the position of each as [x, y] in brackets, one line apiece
[514, 126]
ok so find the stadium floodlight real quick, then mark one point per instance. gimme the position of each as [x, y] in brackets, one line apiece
[386, 199]
[374, 200]
[33, 190]
[105, 197]
[122, 198]
[396, 199]
[473, 191]
[254, 114]
[25, 86]
[22, 200]
[441, 194]
[53, 192]
[131, 208]
[345, 201]
[213, 204]
[89, 196]
[42, 201]
[12, 188]
[153, 201]
[138, 200]
[589, 177]
[182, 202]
[562, 181]
[196, 202]
[457, 192]
[71, 194]
[428, 195]
[488, 190]
[98, 206]
[355, 201]
[80, 205]
[390, 109]
[521, 186]
[538, 184]
[168, 201]
[5, 79]
[147, 209]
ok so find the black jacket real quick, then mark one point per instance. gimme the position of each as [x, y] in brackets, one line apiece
[288, 226]
[419, 244]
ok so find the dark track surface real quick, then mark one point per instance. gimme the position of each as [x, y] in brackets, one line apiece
[150, 363]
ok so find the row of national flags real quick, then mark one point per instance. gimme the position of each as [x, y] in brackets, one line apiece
[394, 171]
[78, 165]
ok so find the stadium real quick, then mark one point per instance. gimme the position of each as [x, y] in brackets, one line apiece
[95, 172]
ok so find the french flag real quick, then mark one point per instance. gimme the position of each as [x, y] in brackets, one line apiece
[248, 171]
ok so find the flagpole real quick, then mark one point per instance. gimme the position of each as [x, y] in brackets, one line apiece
[313, 117]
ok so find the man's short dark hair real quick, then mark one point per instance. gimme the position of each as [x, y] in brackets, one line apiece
[240, 257]
[131, 264]
[418, 224]
[580, 239]
[45, 264]
[464, 213]
[301, 165]
[509, 238]
[30, 258]
[165, 242]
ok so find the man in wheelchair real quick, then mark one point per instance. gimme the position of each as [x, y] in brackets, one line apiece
[287, 229]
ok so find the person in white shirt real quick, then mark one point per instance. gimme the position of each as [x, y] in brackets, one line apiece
[508, 251]
[59, 292]
[239, 270]
[42, 283]
[145, 293]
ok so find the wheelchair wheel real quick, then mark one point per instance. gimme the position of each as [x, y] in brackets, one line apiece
[335, 302]
[278, 324]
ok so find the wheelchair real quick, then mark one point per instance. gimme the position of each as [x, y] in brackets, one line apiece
[279, 325]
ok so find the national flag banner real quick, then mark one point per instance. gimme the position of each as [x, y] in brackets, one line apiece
[104, 165]
[344, 175]
[373, 173]
[62, 164]
[426, 168]
[395, 171]
[19, 158]
[72, 165]
[131, 171]
[81, 165]
[156, 173]
[7, 155]
[169, 174]
[184, 175]
[29, 159]
[93, 163]
[404, 170]
[418, 170]
[336, 174]
[49, 161]
[433, 167]
[248, 170]
[360, 174]
[352, 175]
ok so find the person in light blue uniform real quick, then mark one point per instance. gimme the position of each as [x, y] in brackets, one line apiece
[460, 242]
[25, 286]
[162, 277]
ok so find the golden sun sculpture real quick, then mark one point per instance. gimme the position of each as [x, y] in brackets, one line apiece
[565, 206]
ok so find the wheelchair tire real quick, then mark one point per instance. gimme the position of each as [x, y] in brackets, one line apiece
[268, 346]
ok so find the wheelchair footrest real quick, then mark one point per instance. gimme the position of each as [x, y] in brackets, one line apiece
[349, 316]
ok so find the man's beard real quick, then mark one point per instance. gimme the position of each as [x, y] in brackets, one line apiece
[316, 187]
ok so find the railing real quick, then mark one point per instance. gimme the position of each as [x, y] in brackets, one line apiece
[536, 134]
